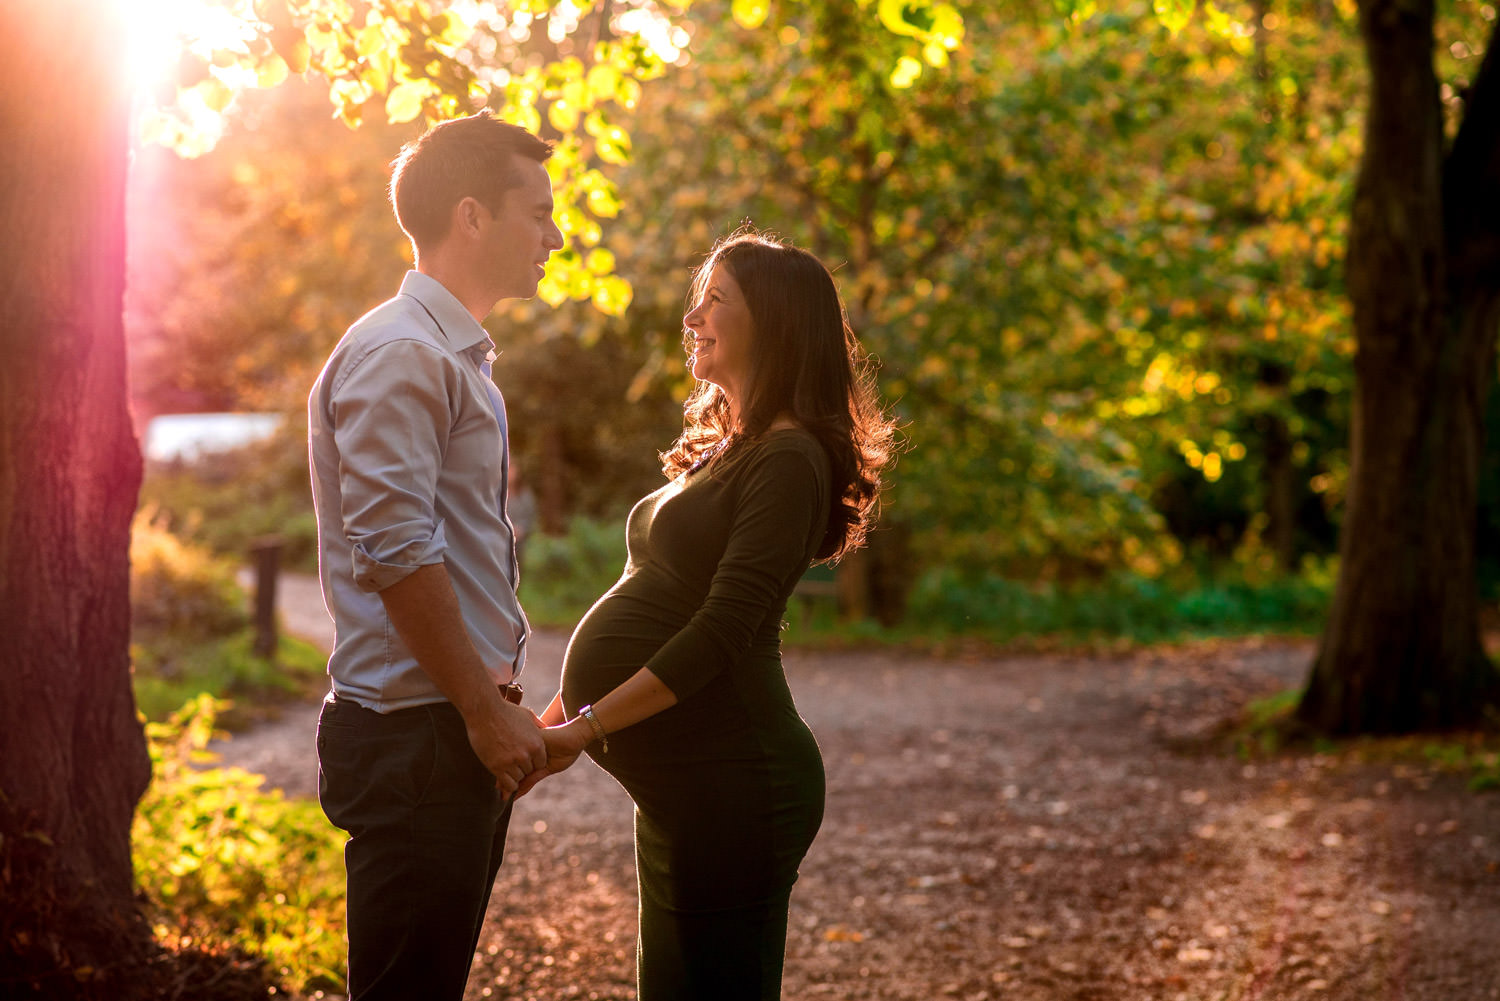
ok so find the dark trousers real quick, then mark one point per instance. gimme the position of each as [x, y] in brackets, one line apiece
[426, 836]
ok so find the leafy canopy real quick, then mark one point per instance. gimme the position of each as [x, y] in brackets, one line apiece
[571, 70]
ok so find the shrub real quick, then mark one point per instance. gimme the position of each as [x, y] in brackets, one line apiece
[227, 500]
[564, 575]
[219, 860]
[191, 633]
[177, 589]
[1120, 606]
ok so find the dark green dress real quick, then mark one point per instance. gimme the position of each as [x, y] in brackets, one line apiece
[728, 783]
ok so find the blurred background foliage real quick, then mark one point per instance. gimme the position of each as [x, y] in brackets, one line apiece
[1099, 263]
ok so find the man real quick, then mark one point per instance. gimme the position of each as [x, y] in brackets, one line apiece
[422, 742]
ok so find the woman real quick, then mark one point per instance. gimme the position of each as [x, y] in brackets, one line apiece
[673, 681]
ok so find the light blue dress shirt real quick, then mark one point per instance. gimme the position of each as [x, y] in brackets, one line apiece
[408, 461]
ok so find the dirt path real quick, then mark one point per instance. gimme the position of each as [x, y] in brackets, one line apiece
[1039, 827]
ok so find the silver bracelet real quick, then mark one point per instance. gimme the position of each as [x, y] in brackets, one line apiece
[587, 712]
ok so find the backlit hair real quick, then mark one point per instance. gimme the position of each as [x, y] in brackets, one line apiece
[805, 362]
[457, 159]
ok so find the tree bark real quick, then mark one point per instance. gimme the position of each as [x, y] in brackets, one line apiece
[73, 759]
[1402, 650]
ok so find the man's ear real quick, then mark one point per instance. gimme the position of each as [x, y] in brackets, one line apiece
[467, 216]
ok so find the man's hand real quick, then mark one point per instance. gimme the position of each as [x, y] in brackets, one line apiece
[507, 739]
[426, 614]
[564, 744]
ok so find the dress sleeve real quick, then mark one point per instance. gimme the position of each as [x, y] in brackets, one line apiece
[391, 417]
[783, 496]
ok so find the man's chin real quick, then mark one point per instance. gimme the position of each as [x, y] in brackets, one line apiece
[520, 292]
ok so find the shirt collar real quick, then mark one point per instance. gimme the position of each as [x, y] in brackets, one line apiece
[455, 322]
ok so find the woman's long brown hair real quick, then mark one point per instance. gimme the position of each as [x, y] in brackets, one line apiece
[805, 362]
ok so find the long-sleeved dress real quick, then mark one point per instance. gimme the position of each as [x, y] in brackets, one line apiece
[728, 783]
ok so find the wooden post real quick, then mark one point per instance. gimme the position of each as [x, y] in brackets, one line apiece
[266, 552]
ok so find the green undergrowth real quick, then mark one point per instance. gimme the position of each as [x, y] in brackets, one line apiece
[562, 576]
[191, 633]
[946, 608]
[1268, 728]
[226, 501]
[222, 862]
[168, 675]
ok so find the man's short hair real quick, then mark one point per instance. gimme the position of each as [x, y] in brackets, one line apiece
[457, 159]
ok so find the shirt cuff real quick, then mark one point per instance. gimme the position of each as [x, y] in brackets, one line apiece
[374, 573]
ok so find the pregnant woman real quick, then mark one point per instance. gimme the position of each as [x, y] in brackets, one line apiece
[673, 681]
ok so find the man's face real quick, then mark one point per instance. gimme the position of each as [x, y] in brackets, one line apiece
[520, 235]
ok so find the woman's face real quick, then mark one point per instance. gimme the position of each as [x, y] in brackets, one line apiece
[722, 333]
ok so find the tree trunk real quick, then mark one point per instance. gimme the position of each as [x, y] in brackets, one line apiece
[72, 754]
[1401, 650]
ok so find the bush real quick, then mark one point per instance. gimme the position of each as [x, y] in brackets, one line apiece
[227, 500]
[1121, 606]
[564, 575]
[219, 860]
[177, 589]
[191, 633]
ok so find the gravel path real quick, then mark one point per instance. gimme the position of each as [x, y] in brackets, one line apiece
[1040, 828]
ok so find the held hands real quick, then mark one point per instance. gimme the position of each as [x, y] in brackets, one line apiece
[564, 743]
[507, 740]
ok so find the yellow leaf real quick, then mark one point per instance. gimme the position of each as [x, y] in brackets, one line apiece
[450, 30]
[272, 71]
[563, 116]
[612, 295]
[906, 72]
[892, 14]
[1174, 14]
[371, 39]
[751, 14]
[404, 102]
[376, 73]
[216, 96]
[603, 203]
[291, 45]
[603, 81]
[613, 152]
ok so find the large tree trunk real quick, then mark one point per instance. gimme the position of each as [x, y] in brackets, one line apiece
[72, 754]
[1402, 649]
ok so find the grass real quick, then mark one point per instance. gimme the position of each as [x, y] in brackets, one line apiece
[169, 674]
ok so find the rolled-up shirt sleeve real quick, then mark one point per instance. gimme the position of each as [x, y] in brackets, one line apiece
[391, 419]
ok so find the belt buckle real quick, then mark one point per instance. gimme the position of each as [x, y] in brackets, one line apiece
[512, 693]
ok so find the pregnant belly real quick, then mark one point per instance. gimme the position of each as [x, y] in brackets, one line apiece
[612, 642]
